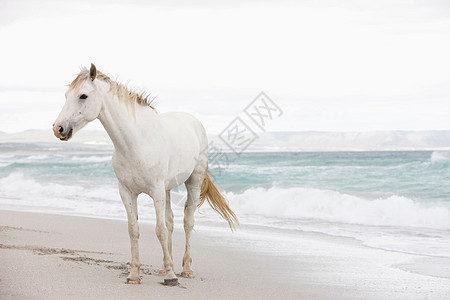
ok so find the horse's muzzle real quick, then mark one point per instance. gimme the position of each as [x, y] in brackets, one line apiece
[60, 133]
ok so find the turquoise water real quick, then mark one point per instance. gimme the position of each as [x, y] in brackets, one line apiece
[393, 200]
[423, 175]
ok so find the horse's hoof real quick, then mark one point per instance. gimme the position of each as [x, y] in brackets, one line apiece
[162, 272]
[171, 281]
[133, 281]
[187, 274]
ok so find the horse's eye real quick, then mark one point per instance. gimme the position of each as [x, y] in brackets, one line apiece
[83, 96]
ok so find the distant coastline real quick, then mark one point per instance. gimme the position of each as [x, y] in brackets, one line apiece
[286, 141]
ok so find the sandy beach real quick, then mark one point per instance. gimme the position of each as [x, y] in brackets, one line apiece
[321, 129]
[47, 256]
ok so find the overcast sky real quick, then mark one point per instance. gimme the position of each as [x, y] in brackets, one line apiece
[333, 66]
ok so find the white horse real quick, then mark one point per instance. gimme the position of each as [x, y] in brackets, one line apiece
[153, 153]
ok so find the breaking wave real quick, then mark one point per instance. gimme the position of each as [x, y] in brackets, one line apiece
[308, 203]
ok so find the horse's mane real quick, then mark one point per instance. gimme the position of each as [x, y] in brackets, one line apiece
[121, 90]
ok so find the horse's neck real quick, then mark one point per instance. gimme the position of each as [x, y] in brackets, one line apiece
[121, 125]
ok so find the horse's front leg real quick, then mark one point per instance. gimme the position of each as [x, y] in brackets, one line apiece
[159, 198]
[169, 225]
[129, 200]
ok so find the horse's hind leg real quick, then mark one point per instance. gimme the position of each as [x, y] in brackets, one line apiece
[193, 187]
[169, 225]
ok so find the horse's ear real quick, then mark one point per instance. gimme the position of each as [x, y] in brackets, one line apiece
[92, 72]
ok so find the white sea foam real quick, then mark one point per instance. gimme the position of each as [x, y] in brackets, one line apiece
[26, 159]
[392, 223]
[102, 201]
[439, 157]
[37, 157]
[91, 158]
[307, 203]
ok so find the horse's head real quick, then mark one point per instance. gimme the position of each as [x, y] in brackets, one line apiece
[83, 105]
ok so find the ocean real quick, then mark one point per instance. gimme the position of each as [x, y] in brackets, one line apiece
[397, 200]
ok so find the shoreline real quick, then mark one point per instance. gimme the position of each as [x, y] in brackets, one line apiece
[56, 256]
[219, 225]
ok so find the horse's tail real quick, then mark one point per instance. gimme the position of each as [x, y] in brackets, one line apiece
[211, 193]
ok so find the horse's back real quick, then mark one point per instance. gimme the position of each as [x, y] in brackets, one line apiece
[186, 125]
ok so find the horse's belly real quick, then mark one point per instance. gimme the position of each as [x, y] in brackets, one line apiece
[177, 180]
